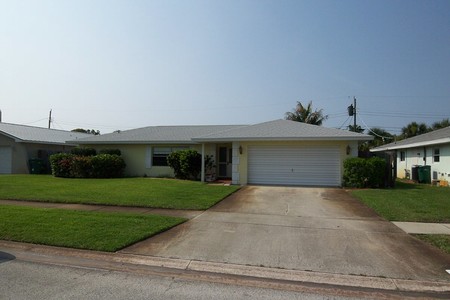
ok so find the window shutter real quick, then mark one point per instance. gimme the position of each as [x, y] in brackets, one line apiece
[148, 157]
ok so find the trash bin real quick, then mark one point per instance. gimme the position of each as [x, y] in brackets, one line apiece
[415, 173]
[425, 174]
[36, 166]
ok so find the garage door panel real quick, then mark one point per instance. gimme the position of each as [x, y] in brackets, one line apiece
[294, 165]
[5, 160]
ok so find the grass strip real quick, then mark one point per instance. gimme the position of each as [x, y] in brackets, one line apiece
[79, 229]
[409, 202]
[142, 192]
[441, 241]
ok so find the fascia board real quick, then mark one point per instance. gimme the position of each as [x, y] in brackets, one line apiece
[255, 139]
[413, 145]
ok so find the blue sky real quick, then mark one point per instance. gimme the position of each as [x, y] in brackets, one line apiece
[111, 65]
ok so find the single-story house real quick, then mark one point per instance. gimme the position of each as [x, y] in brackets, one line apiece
[276, 152]
[431, 149]
[19, 144]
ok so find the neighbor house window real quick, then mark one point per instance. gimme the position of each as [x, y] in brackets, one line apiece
[160, 154]
[402, 155]
[436, 155]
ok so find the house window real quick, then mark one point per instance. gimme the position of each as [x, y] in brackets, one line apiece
[436, 155]
[160, 154]
[402, 155]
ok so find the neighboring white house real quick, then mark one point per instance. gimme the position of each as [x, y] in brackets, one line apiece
[20, 143]
[432, 149]
[276, 152]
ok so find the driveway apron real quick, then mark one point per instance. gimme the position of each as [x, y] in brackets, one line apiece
[309, 229]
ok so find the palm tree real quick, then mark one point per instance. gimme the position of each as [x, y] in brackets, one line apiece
[381, 137]
[306, 114]
[413, 129]
[442, 124]
[358, 129]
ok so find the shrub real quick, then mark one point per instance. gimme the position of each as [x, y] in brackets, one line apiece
[107, 166]
[362, 172]
[110, 151]
[98, 166]
[81, 151]
[185, 163]
[61, 164]
[173, 161]
[81, 166]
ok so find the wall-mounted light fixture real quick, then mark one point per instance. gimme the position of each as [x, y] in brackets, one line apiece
[240, 149]
[348, 149]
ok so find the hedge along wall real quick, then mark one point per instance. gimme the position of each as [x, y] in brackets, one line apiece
[364, 172]
[86, 164]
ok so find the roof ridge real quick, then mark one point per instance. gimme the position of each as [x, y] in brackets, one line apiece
[37, 127]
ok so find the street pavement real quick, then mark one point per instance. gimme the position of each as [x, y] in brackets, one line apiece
[25, 280]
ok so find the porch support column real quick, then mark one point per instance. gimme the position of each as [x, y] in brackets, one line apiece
[203, 163]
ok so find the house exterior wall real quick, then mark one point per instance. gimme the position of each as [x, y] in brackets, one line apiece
[415, 156]
[21, 153]
[138, 158]
[240, 165]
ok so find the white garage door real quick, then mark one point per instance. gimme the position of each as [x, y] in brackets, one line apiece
[5, 160]
[294, 165]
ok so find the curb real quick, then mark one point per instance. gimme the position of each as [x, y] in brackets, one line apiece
[117, 261]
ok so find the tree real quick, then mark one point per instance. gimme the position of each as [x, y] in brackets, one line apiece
[89, 131]
[306, 114]
[413, 129]
[442, 124]
[381, 137]
[359, 129]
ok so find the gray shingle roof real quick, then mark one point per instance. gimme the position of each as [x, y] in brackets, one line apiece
[284, 130]
[157, 134]
[30, 134]
[440, 136]
[273, 130]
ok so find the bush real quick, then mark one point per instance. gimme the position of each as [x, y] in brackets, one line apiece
[81, 151]
[61, 164]
[185, 163]
[76, 166]
[107, 166]
[110, 151]
[363, 173]
[81, 166]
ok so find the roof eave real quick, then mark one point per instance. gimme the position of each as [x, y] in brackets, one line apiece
[263, 139]
[412, 145]
[78, 142]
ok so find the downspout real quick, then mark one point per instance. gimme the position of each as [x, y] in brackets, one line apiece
[203, 163]
[424, 156]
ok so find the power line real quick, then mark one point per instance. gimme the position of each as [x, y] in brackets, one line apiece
[370, 130]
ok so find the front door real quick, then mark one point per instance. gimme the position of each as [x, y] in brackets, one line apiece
[224, 162]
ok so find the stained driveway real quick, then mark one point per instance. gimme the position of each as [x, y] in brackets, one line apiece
[314, 229]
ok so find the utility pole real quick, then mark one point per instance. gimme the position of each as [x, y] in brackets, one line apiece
[49, 119]
[352, 112]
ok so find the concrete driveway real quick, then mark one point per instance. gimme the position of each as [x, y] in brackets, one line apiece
[316, 229]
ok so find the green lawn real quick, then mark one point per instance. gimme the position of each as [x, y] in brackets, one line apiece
[439, 240]
[79, 229]
[412, 203]
[144, 192]
[409, 202]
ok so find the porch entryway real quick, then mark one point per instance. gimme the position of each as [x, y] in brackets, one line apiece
[224, 154]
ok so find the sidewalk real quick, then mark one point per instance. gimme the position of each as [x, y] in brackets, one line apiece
[189, 214]
[408, 227]
[423, 228]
